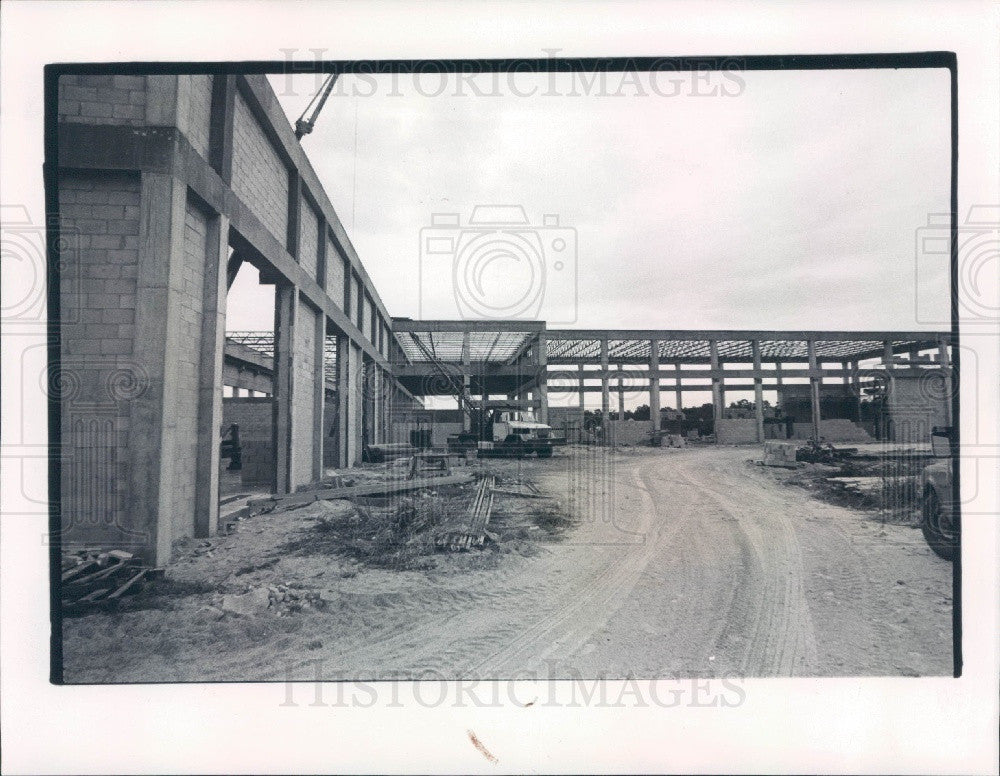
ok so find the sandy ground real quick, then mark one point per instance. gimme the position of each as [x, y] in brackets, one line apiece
[678, 563]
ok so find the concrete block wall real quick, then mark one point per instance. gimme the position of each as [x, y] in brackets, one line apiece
[833, 430]
[366, 318]
[194, 108]
[98, 377]
[736, 431]
[308, 239]
[628, 432]
[102, 99]
[260, 177]
[252, 414]
[917, 403]
[355, 300]
[334, 273]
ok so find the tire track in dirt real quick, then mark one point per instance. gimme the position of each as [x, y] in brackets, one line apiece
[582, 611]
[778, 633]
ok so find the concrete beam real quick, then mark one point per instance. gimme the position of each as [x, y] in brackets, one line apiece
[737, 334]
[410, 325]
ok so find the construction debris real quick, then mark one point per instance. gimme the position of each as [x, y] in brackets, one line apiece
[822, 452]
[93, 577]
[781, 454]
[374, 489]
[387, 452]
[475, 534]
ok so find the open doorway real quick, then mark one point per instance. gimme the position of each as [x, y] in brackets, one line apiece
[247, 382]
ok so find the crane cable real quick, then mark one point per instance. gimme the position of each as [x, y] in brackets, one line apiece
[304, 126]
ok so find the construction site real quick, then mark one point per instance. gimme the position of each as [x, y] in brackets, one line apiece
[470, 498]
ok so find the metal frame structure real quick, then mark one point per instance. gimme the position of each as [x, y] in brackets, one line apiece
[513, 358]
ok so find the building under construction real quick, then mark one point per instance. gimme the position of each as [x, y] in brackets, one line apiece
[164, 186]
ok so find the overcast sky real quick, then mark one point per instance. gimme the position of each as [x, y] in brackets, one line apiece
[747, 200]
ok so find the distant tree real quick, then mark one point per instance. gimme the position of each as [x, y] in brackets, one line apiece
[746, 404]
[704, 412]
[639, 413]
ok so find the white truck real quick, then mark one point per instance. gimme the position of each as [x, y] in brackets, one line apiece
[505, 430]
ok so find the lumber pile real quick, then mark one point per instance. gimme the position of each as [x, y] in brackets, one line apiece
[95, 578]
[479, 516]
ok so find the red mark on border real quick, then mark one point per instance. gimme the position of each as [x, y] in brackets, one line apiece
[479, 745]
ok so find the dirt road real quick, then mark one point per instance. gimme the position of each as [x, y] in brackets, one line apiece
[683, 563]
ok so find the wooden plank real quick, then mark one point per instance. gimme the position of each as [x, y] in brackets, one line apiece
[124, 588]
[375, 489]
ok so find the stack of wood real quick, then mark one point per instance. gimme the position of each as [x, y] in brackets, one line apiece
[93, 577]
[479, 516]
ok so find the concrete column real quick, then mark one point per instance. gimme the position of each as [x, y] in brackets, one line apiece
[814, 384]
[583, 393]
[717, 395]
[285, 307]
[542, 378]
[151, 436]
[605, 397]
[356, 403]
[213, 336]
[856, 383]
[654, 385]
[621, 393]
[887, 354]
[679, 388]
[319, 396]
[466, 381]
[343, 399]
[758, 391]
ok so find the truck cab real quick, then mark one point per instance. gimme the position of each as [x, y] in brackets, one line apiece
[518, 427]
[506, 431]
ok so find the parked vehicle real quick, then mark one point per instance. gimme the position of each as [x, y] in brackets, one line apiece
[940, 514]
[505, 430]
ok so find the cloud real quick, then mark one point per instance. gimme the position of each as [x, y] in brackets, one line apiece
[793, 204]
